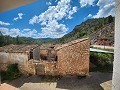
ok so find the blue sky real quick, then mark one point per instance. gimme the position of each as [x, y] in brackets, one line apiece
[52, 18]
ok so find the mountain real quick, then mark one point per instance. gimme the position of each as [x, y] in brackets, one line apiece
[0, 33]
[46, 39]
[95, 28]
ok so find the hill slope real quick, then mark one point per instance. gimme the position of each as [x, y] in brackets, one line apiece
[93, 28]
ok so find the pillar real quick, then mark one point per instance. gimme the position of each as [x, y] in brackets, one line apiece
[116, 64]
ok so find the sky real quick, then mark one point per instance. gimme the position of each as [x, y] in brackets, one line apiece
[52, 18]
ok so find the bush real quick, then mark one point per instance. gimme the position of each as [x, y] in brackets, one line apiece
[11, 73]
[101, 58]
[103, 61]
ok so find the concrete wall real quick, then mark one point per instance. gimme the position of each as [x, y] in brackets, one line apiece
[74, 59]
[116, 66]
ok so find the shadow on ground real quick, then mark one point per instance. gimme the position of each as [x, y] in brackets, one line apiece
[91, 82]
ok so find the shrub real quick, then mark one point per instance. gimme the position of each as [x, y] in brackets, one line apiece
[103, 61]
[11, 73]
[101, 58]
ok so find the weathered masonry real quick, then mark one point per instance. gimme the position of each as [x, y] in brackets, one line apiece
[67, 59]
[20, 54]
[73, 58]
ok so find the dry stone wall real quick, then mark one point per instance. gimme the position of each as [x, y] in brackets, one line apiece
[50, 68]
[74, 59]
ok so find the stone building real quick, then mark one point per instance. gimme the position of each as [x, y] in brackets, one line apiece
[67, 59]
[73, 58]
[20, 54]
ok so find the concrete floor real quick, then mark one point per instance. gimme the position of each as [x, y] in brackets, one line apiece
[91, 82]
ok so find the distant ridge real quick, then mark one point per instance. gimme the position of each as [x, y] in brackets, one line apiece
[95, 28]
[0, 33]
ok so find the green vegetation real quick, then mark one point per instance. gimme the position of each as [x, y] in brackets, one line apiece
[103, 61]
[6, 40]
[88, 29]
[11, 73]
[85, 29]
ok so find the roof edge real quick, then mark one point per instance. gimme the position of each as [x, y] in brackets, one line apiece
[72, 43]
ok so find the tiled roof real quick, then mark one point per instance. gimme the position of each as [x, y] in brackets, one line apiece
[47, 46]
[17, 48]
[71, 43]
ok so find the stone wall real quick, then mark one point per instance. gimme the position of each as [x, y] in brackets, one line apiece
[43, 54]
[25, 66]
[74, 59]
[31, 68]
[36, 53]
[46, 68]
[51, 68]
[11, 58]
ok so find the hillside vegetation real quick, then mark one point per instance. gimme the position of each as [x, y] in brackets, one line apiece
[97, 28]
[6, 40]
[94, 28]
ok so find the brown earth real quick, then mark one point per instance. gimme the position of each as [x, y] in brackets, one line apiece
[91, 82]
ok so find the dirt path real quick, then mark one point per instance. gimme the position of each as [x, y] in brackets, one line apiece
[91, 82]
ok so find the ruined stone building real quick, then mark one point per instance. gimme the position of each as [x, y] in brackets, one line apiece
[67, 59]
[20, 54]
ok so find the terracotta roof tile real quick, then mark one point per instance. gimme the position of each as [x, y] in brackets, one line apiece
[17, 48]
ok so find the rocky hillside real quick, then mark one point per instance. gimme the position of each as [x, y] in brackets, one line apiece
[97, 29]
[94, 28]
[106, 32]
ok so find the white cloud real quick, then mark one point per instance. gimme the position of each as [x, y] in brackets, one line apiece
[19, 17]
[27, 29]
[15, 32]
[4, 23]
[54, 30]
[49, 19]
[4, 31]
[90, 15]
[35, 19]
[106, 8]
[71, 12]
[84, 3]
[48, 3]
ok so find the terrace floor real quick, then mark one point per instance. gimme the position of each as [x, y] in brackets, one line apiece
[91, 82]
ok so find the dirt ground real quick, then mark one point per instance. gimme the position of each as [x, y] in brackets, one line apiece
[91, 82]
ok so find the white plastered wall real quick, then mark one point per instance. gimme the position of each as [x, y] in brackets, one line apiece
[116, 66]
